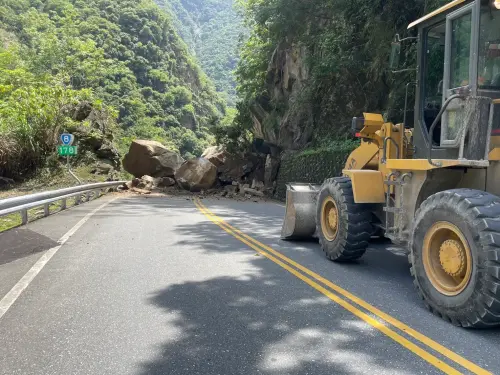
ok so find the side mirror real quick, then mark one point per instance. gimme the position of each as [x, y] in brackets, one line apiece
[395, 55]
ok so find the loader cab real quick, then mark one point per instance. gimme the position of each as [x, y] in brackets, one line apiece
[459, 52]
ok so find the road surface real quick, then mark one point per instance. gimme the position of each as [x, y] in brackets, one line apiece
[157, 285]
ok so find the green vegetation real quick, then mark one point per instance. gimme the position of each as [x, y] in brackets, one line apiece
[211, 29]
[15, 220]
[346, 147]
[122, 58]
[344, 47]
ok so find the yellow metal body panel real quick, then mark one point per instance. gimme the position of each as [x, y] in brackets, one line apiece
[494, 154]
[424, 165]
[496, 101]
[363, 157]
[373, 119]
[436, 12]
[494, 141]
[372, 123]
[367, 185]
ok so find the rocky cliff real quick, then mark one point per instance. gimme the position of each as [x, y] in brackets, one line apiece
[287, 124]
[309, 67]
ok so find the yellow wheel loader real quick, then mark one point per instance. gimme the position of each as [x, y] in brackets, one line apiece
[434, 188]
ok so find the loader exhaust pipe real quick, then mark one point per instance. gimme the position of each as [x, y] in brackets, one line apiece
[300, 215]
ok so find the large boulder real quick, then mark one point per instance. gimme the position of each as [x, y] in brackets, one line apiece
[235, 168]
[216, 155]
[166, 182]
[151, 158]
[196, 175]
[148, 183]
[271, 170]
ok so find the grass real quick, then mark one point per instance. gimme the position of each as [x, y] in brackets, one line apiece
[14, 220]
[45, 181]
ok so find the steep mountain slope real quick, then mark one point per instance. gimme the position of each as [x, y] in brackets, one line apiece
[310, 66]
[122, 58]
[211, 28]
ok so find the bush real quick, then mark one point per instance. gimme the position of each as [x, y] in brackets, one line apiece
[34, 110]
[313, 166]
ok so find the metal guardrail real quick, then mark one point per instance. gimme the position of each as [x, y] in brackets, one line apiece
[26, 202]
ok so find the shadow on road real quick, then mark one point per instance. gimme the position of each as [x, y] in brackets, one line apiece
[262, 325]
[262, 322]
[18, 243]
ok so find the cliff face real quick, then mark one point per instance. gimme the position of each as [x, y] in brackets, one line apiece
[290, 125]
[310, 66]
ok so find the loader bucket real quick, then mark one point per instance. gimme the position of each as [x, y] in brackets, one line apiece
[300, 215]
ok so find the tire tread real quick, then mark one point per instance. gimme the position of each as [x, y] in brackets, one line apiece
[356, 238]
[484, 211]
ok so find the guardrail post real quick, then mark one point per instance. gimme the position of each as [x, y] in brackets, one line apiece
[24, 203]
[24, 217]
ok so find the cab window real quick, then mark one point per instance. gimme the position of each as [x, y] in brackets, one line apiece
[489, 48]
[461, 29]
[434, 55]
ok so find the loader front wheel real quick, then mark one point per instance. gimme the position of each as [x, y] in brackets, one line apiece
[343, 227]
[455, 256]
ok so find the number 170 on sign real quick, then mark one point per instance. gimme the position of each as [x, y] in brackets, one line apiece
[67, 150]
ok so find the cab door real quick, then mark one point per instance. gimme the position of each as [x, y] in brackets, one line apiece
[459, 72]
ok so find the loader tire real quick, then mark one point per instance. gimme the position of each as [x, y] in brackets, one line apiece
[343, 227]
[455, 256]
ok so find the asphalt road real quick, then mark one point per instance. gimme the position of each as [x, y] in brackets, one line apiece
[159, 285]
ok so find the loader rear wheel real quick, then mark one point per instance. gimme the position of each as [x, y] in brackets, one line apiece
[455, 256]
[343, 227]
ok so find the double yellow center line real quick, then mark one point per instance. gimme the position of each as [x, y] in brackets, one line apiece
[383, 322]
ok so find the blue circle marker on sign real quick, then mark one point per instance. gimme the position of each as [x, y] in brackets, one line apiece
[67, 139]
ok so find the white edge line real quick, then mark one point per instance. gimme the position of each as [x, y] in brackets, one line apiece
[8, 300]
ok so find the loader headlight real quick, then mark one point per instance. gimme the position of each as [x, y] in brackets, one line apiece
[496, 4]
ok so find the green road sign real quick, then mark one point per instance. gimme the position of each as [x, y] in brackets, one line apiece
[67, 150]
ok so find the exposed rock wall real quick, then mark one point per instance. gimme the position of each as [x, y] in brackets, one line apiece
[286, 78]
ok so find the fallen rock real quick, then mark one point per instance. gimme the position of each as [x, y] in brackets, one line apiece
[271, 170]
[257, 185]
[196, 175]
[258, 166]
[151, 158]
[230, 189]
[234, 168]
[216, 155]
[147, 182]
[242, 189]
[136, 182]
[141, 191]
[166, 182]
[253, 192]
